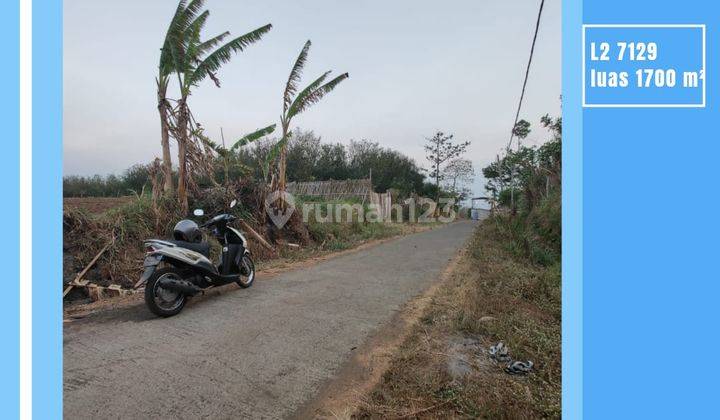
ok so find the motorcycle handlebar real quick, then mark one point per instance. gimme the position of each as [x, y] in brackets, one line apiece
[217, 219]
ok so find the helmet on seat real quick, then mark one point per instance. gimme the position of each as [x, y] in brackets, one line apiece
[188, 231]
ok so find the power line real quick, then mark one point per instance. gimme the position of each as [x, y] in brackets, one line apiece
[527, 72]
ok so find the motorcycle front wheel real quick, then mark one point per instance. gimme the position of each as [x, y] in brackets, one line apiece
[247, 272]
[163, 302]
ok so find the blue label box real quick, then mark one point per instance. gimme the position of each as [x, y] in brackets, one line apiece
[644, 66]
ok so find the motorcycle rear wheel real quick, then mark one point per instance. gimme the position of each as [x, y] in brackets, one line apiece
[160, 301]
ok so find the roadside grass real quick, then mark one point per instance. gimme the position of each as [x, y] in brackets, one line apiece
[535, 234]
[443, 368]
[336, 228]
[343, 241]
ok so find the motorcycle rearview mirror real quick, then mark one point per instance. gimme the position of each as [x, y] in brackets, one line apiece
[233, 203]
[198, 212]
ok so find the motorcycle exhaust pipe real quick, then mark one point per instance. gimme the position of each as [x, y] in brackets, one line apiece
[180, 286]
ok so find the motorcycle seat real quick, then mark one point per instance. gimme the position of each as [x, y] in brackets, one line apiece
[202, 247]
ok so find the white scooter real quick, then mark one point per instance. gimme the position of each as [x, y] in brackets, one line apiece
[180, 268]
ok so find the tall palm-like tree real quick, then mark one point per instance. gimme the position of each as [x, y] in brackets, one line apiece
[295, 104]
[185, 16]
[192, 60]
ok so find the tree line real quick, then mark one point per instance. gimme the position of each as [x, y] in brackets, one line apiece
[308, 159]
[134, 180]
[526, 174]
[525, 184]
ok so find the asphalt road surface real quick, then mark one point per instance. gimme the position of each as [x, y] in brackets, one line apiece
[255, 353]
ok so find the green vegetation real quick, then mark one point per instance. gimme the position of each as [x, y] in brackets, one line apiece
[340, 229]
[185, 55]
[339, 236]
[527, 182]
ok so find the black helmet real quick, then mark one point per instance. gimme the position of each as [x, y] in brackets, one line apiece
[188, 231]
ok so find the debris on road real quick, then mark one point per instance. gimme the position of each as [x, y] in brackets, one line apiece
[500, 353]
[78, 280]
[519, 368]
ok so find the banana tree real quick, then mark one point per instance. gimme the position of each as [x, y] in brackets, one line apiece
[295, 104]
[226, 153]
[186, 15]
[194, 60]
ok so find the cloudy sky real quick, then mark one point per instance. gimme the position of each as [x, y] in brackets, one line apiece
[415, 67]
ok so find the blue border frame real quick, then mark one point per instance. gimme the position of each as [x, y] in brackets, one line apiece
[47, 208]
[10, 212]
[572, 211]
[650, 264]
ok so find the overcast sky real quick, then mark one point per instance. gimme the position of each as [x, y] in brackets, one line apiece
[415, 67]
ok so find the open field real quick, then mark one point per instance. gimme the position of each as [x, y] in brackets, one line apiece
[96, 205]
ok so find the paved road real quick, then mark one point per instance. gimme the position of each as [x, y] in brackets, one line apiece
[260, 352]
